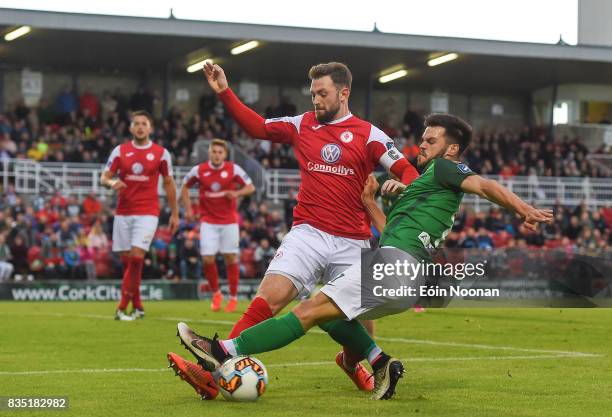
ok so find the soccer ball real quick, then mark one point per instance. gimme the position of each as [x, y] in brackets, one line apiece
[242, 379]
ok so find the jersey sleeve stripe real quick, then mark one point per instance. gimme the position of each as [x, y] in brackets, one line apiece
[296, 121]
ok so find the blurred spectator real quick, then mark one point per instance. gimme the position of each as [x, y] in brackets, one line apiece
[52, 256]
[190, 261]
[19, 253]
[263, 255]
[484, 240]
[72, 260]
[88, 104]
[66, 102]
[6, 267]
[87, 260]
[91, 205]
[97, 239]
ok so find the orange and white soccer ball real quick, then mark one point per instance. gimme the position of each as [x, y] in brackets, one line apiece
[242, 378]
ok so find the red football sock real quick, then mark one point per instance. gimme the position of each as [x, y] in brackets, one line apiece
[233, 275]
[351, 359]
[125, 259]
[136, 264]
[258, 311]
[211, 273]
[126, 290]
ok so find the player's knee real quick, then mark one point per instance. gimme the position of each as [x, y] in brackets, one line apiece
[230, 258]
[274, 304]
[208, 259]
[138, 252]
[306, 314]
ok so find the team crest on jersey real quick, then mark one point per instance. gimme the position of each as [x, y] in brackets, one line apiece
[224, 174]
[331, 153]
[464, 168]
[150, 157]
[346, 136]
[215, 186]
[137, 168]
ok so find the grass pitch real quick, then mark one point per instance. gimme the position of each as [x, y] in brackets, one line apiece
[459, 362]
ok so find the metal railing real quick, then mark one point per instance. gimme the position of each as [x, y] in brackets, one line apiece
[542, 191]
[31, 177]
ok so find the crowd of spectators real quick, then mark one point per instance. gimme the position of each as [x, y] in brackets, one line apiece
[85, 128]
[577, 230]
[61, 237]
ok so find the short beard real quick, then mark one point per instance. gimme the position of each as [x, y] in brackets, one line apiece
[329, 115]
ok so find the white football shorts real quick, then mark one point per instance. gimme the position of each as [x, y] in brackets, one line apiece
[129, 231]
[345, 291]
[308, 256]
[222, 238]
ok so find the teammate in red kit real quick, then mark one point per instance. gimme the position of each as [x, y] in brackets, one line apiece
[220, 182]
[138, 165]
[336, 152]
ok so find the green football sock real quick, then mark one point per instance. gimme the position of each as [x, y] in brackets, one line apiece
[269, 335]
[351, 334]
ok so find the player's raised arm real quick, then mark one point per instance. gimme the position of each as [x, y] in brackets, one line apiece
[368, 196]
[498, 194]
[382, 150]
[251, 122]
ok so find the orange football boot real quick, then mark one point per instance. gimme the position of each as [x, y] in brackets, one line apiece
[217, 299]
[231, 305]
[360, 376]
[202, 381]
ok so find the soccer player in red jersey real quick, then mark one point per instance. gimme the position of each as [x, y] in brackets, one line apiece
[220, 182]
[138, 165]
[336, 152]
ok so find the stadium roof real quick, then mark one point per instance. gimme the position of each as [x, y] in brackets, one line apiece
[73, 41]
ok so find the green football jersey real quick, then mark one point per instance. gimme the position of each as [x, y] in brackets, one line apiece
[424, 213]
[386, 201]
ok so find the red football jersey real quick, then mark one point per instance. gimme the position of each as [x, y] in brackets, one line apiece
[215, 208]
[139, 168]
[335, 159]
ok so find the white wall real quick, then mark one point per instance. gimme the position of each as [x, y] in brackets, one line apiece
[594, 17]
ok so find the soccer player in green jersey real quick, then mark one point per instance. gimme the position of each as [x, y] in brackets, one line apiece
[417, 224]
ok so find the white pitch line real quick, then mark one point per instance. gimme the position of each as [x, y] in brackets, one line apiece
[558, 353]
[292, 364]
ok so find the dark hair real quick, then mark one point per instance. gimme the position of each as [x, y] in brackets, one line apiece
[143, 113]
[456, 129]
[339, 73]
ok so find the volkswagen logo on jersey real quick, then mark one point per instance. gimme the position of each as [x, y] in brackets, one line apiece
[137, 168]
[346, 136]
[150, 157]
[215, 186]
[331, 153]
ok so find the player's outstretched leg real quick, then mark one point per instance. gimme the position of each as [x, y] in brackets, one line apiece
[207, 351]
[200, 380]
[387, 372]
